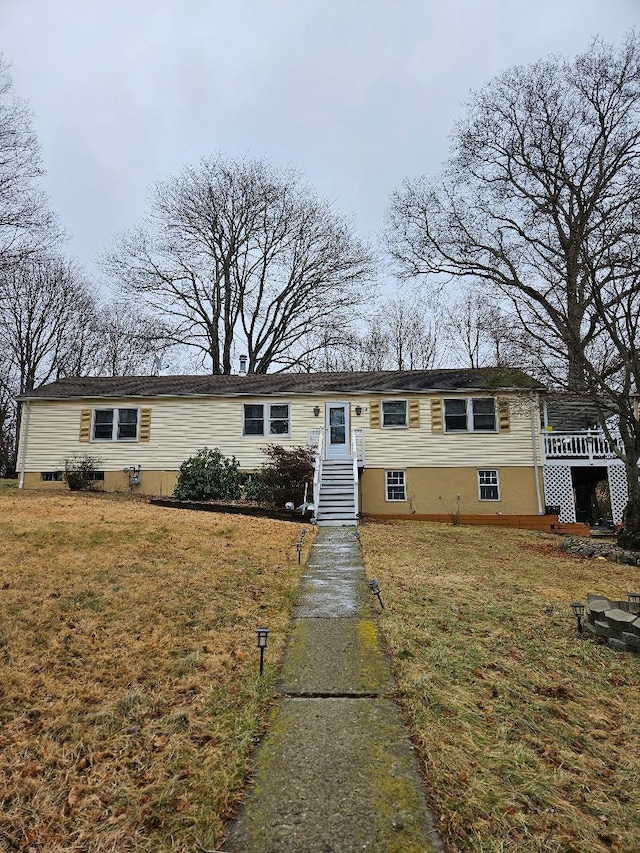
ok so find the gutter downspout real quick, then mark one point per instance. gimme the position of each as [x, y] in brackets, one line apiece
[534, 441]
[24, 430]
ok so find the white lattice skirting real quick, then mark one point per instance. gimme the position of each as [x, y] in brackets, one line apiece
[558, 490]
[618, 490]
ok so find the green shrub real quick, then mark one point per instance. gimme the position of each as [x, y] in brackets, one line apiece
[284, 475]
[255, 489]
[208, 476]
[79, 471]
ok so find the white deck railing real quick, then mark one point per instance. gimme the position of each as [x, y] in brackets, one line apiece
[590, 444]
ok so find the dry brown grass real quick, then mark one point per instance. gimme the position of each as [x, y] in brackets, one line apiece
[129, 697]
[528, 734]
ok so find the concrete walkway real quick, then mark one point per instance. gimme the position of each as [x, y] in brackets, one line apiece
[336, 772]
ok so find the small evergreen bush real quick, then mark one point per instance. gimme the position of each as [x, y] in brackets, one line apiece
[255, 489]
[208, 476]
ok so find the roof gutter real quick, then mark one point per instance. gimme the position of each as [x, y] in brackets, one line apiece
[172, 395]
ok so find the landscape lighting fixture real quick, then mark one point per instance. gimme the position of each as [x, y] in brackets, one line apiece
[634, 598]
[374, 586]
[299, 550]
[263, 634]
[578, 611]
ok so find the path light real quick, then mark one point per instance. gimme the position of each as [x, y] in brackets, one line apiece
[299, 550]
[578, 612]
[634, 598]
[263, 634]
[303, 533]
[374, 586]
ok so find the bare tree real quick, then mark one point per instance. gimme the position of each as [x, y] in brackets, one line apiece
[26, 223]
[541, 198]
[481, 333]
[399, 333]
[411, 323]
[8, 413]
[545, 173]
[45, 312]
[127, 341]
[235, 255]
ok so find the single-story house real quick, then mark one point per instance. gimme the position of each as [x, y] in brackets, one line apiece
[421, 443]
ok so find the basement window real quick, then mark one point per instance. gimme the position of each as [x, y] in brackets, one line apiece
[396, 485]
[51, 476]
[488, 484]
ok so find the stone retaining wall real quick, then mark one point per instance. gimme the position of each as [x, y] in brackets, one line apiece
[592, 548]
[618, 622]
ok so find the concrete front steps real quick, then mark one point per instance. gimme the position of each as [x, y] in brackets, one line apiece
[337, 504]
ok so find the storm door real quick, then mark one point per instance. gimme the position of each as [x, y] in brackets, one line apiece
[337, 430]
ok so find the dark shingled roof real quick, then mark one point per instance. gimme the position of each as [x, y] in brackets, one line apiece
[284, 384]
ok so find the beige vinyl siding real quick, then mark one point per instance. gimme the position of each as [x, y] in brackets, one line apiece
[182, 426]
[179, 428]
[423, 447]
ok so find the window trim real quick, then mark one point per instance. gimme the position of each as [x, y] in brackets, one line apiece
[405, 425]
[387, 484]
[115, 424]
[495, 485]
[267, 419]
[470, 416]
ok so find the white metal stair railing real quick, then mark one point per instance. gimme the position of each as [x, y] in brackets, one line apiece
[357, 456]
[335, 481]
[314, 443]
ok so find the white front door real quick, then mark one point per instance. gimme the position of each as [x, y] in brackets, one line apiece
[337, 430]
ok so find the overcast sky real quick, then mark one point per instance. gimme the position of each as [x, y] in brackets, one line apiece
[358, 94]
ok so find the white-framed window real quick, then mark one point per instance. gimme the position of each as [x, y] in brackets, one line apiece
[470, 414]
[488, 484]
[394, 413]
[396, 485]
[265, 419]
[51, 476]
[114, 425]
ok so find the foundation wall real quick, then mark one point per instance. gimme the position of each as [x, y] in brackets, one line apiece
[435, 491]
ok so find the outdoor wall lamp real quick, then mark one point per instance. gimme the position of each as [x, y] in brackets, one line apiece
[358, 410]
[316, 411]
[374, 586]
[263, 634]
[578, 612]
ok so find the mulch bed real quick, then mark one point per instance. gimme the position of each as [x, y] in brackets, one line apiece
[237, 508]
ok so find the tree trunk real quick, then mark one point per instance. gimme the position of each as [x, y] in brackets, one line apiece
[629, 536]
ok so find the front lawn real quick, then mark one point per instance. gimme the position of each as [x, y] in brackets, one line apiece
[129, 697]
[528, 735]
